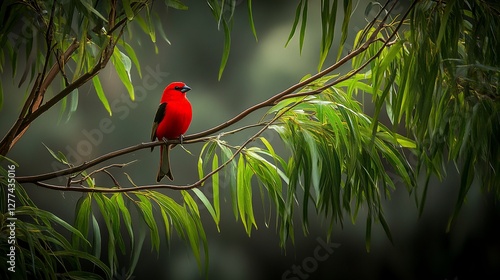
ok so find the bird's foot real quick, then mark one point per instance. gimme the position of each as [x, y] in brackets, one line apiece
[181, 139]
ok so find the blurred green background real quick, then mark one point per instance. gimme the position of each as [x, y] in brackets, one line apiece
[255, 71]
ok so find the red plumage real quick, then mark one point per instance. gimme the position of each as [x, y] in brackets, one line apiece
[172, 120]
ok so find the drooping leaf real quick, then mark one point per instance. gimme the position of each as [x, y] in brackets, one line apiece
[123, 65]
[100, 94]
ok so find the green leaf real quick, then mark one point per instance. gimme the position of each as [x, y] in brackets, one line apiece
[123, 65]
[189, 201]
[207, 204]
[385, 226]
[303, 26]
[128, 9]
[466, 179]
[131, 54]
[96, 237]
[59, 156]
[250, 19]
[345, 26]
[227, 48]
[100, 94]
[73, 103]
[368, 232]
[112, 221]
[137, 248]
[176, 4]
[159, 26]
[295, 22]
[244, 195]
[48, 216]
[89, 6]
[82, 218]
[125, 213]
[146, 209]
[215, 186]
[328, 18]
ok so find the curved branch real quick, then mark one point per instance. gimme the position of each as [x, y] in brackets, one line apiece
[173, 187]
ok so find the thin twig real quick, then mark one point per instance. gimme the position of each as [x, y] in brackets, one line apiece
[102, 169]
[112, 178]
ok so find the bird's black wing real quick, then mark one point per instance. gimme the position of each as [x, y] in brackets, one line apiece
[160, 114]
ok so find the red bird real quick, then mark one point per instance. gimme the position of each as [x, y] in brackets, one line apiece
[171, 122]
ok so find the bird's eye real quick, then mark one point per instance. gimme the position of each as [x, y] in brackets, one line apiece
[177, 88]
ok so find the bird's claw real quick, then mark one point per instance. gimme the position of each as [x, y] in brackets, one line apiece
[181, 139]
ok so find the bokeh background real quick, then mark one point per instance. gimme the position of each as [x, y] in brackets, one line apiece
[422, 248]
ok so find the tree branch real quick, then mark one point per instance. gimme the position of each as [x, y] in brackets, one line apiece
[174, 187]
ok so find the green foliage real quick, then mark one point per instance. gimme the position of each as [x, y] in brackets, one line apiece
[337, 163]
[223, 12]
[328, 15]
[42, 250]
[451, 84]
[433, 72]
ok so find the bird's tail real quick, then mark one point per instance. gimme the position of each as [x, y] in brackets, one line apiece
[164, 164]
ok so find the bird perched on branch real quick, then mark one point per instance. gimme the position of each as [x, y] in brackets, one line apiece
[171, 121]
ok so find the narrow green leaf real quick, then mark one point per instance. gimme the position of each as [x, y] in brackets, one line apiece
[227, 47]
[250, 19]
[368, 236]
[466, 179]
[244, 195]
[295, 22]
[79, 58]
[176, 4]
[215, 186]
[101, 201]
[100, 94]
[444, 23]
[137, 248]
[159, 27]
[152, 31]
[189, 201]
[131, 54]
[96, 238]
[146, 210]
[240, 180]
[128, 9]
[125, 213]
[394, 51]
[386, 227]
[345, 26]
[59, 156]
[73, 103]
[207, 204]
[83, 255]
[303, 26]
[82, 218]
[39, 213]
[89, 6]
[123, 65]
[328, 19]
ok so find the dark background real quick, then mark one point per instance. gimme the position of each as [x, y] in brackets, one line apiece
[256, 70]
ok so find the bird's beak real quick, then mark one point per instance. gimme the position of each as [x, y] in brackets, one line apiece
[185, 89]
